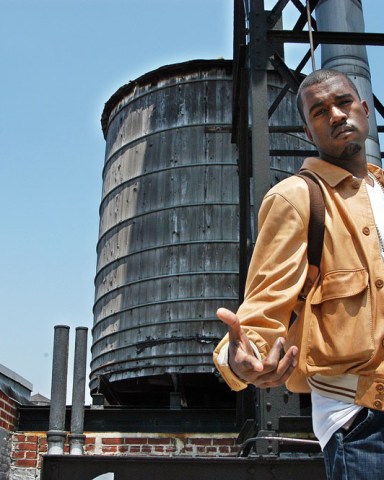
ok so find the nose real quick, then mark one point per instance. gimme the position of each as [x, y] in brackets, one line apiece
[336, 115]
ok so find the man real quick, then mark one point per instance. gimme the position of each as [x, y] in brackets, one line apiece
[335, 348]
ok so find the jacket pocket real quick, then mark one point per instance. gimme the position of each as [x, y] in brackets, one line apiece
[341, 332]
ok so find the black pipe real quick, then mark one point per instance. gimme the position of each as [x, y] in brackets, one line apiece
[77, 438]
[56, 434]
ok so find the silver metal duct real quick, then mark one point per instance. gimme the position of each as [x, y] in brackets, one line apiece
[347, 16]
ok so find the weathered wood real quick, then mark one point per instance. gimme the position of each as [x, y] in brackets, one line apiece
[168, 242]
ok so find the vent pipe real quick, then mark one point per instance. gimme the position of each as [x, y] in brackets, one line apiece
[347, 16]
[77, 437]
[56, 434]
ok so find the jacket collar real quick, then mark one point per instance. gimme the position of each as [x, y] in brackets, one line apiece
[334, 175]
[326, 171]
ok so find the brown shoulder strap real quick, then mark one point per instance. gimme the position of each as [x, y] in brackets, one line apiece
[316, 220]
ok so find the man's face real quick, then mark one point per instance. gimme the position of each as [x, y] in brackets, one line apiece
[337, 120]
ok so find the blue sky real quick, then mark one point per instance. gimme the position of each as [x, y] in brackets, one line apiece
[61, 60]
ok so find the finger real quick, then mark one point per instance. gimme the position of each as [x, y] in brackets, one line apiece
[265, 381]
[284, 369]
[288, 362]
[271, 361]
[242, 357]
[232, 322]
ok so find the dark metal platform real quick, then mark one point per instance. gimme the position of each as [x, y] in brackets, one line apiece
[177, 468]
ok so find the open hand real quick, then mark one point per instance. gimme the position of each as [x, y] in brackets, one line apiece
[272, 371]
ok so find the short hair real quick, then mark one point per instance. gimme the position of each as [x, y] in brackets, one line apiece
[319, 76]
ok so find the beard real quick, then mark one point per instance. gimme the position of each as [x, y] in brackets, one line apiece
[350, 150]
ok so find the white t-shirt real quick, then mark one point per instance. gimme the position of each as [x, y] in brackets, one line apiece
[328, 415]
[376, 196]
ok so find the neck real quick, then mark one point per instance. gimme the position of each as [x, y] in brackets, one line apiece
[357, 164]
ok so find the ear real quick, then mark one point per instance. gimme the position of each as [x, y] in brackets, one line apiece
[308, 133]
[365, 106]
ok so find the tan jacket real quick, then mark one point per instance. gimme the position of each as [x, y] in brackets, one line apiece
[340, 326]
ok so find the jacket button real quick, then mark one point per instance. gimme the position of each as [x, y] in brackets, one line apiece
[377, 404]
[355, 184]
[379, 283]
[366, 231]
[380, 387]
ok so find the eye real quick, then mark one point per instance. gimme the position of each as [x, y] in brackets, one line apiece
[345, 102]
[319, 112]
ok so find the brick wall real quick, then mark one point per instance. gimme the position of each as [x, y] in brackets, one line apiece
[211, 445]
[28, 447]
[8, 420]
[8, 412]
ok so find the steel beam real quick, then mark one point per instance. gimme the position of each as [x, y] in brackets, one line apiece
[258, 61]
[340, 38]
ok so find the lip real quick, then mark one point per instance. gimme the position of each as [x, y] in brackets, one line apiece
[342, 129]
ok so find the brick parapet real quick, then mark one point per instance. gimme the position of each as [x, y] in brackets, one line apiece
[29, 447]
[165, 444]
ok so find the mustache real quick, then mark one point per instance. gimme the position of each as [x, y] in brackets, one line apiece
[340, 128]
